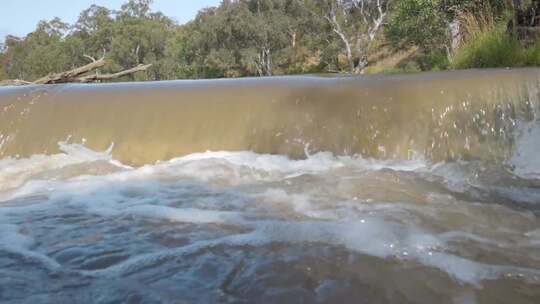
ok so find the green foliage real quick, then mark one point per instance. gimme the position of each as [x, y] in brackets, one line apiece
[261, 37]
[418, 22]
[426, 23]
[532, 55]
[495, 47]
[247, 38]
[3, 74]
[436, 60]
[485, 41]
[237, 38]
[41, 52]
[492, 48]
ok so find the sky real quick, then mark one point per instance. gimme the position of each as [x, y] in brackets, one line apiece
[19, 17]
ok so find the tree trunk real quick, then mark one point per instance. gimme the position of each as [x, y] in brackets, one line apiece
[372, 13]
[455, 33]
[348, 49]
[332, 19]
[350, 58]
[79, 75]
[99, 77]
[66, 76]
[266, 62]
[361, 51]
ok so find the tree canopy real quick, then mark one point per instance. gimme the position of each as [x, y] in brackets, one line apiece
[238, 37]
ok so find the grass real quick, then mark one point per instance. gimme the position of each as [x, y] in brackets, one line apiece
[489, 49]
[485, 43]
[388, 61]
[493, 48]
[488, 44]
[532, 55]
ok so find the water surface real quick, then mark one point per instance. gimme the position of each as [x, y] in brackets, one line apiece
[416, 199]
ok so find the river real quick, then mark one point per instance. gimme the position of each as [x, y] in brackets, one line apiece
[421, 188]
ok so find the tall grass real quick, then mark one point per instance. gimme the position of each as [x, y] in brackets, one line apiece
[487, 44]
[532, 55]
[488, 49]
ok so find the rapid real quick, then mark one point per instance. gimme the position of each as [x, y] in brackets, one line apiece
[420, 188]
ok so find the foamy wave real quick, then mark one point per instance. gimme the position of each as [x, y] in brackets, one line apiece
[257, 200]
[525, 158]
[15, 172]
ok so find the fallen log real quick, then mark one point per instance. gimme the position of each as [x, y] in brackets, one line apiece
[80, 75]
[13, 82]
[98, 77]
[68, 76]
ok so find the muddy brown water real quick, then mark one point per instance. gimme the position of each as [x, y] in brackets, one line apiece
[420, 188]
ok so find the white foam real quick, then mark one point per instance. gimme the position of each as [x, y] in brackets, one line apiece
[15, 172]
[246, 184]
[185, 215]
[300, 203]
[376, 237]
[373, 237]
[230, 167]
[319, 162]
[525, 157]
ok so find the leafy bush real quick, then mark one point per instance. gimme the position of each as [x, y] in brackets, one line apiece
[436, 60]
[488, 49]
[417, 22]
[532, 55]
[425, 23]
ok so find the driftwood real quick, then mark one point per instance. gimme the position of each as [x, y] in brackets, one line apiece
[13, 82]
[97, 77]
[68, 76]
[80, 74]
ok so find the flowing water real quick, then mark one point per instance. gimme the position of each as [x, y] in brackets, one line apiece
[389, 189]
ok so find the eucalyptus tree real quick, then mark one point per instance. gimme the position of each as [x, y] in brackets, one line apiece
[357, 23]
[240, 38]
[13, 54]
[270, 32]
[3, 73]
[95, 28]
[39, 53]
[139, 36]
[434, 24]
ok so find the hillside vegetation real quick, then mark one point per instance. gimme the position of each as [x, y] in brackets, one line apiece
[275, 37]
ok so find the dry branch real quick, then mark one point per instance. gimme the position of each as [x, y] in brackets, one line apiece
[13, 82]
[97, 77]
[80, 74]
[68, 76]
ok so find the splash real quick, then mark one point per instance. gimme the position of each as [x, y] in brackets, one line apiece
[242, 202]
[273, 190]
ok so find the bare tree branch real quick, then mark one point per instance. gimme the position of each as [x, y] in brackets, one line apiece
[13, 82]
[68, 75]
[78, 75]
[90, 57]
[98, 77]
[351, 31]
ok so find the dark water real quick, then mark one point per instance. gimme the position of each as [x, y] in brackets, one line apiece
[239, 227]
[440, 206]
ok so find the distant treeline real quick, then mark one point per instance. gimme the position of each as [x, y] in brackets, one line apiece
[267, 37]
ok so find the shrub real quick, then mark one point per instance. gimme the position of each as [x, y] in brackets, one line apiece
[417, 22]
[488, 49]
[532, 55]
